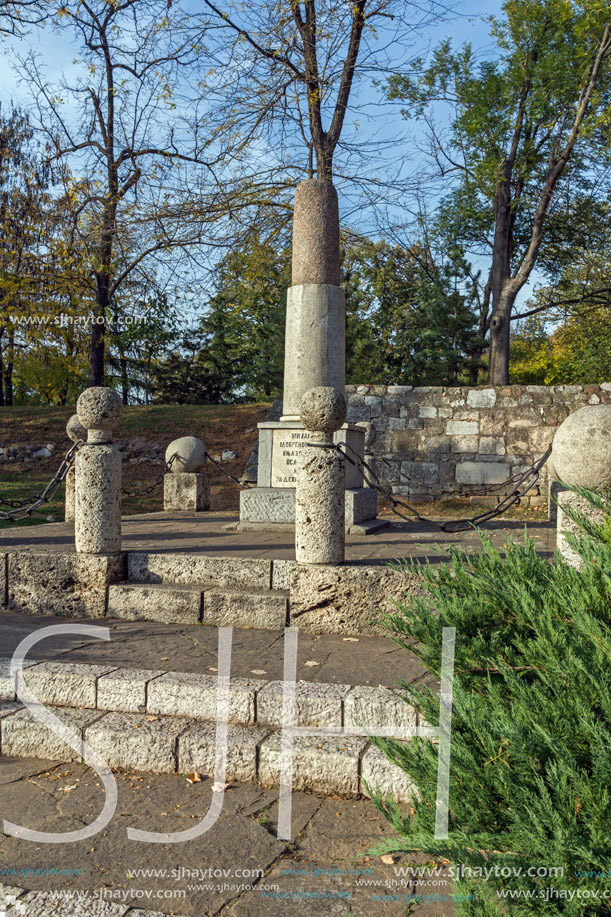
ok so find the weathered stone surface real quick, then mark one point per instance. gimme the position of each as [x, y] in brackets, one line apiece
[316, 234]
[481, 398]
[99, 410]
[135, 742]
[159, 602]
[124, 690]
[21, 734]
[44, 904]
[197, 751]
[361, 505]
[320, 508]
[481, 473]
[326, 765]
[75, 429]
[7, 681]
[564, 524]
[188, 454]
[323, 409]
[370, 707]
[67, 684]
[189, 694]
[316, 704]
[8, 707]
[267, 610]
[186, 492]
[315, 342]
[97, 521]
[199, 569]
[581, 449]
[281, 573]
[381, 774]
[69, 511]
[326, 599]
[3, 579]
[73, 585]
[462, 428]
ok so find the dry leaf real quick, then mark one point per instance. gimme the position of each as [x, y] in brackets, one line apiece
[311, 662]
[194, 778]
[258, 672]
[388, 859]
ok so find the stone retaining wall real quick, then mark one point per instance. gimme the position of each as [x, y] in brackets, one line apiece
[462, 439]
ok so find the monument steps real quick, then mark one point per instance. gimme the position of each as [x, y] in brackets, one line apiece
[165, 722]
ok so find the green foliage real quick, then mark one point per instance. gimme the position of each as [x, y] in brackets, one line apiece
[531, 724]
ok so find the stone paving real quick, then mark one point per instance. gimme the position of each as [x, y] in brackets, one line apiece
[206, 532]
[327, 867]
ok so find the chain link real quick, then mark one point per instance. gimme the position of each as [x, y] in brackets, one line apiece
[21, 509]
[144, 491]
[228, 474]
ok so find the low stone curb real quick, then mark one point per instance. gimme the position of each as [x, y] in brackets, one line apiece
[251, 701]
[16, 901]
[165, 744]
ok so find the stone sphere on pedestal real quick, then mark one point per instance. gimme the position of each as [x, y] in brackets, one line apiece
[581, 452]
[189, 455]
[323, 409]
[100, 410]
[75, 429]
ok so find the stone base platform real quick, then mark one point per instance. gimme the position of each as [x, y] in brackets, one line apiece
[272, 509]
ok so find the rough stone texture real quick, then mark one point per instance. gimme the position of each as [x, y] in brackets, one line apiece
[3, 579]
[326, 765]
[189, 455]
[23, 735]
[315, 342]
[99, 410]
[125, 690]
[347, 599]
[241, 609]
[316, 704]
[409, 425]
[323, 409]
[316, 233]
[564, 524]
[75, 429]
[320, 508]
[44, 904]
[135, 742]
[186, 492]
[73, 585]
[97, 523]
[381, 774]
[69, 511]
[189, 694]
[481, 473]
[68, 684]
[166, 604]
[273, 508]
[197, 569]
[281, 573]
[582, 448]
[7, 681]
[370, 707]
[8, 707]
[197, 751]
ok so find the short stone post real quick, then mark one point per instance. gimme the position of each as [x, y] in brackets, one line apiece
[76, 432]
[97, 526]
[321, 481]
[186, 486]
[581, 456]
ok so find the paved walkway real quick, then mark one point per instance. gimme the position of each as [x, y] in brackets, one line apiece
[327, 868]
[207, 532]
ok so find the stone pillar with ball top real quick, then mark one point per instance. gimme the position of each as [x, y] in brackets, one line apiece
[77, 433]
[320, 531]
[581, 457]
[97, 523]
[186, 488]
[315, 356]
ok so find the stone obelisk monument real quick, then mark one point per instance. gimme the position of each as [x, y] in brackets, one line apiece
[315, 355]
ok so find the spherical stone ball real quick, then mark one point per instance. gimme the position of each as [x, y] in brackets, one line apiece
[323, 409]
[190, 455]
[582, 447]
[99, 408]
[551, 469]
[75, 429]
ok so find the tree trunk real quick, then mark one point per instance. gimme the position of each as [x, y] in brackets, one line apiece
[98, 332]
[8, 369]
[1, 370]
[498, 370]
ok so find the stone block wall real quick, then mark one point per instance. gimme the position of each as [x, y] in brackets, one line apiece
[464, 439]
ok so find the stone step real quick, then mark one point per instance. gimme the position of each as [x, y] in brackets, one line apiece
[186, 603]
[335, 764]
[199, 569]
[252, 701]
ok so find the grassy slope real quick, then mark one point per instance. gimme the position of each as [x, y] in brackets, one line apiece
[222, 427]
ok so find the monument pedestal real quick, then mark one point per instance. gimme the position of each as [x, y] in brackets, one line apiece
[270, 506]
